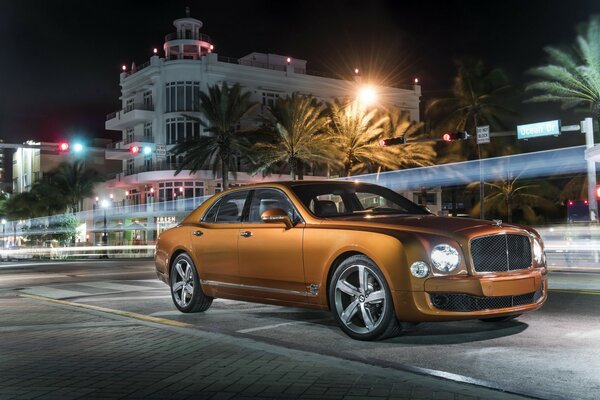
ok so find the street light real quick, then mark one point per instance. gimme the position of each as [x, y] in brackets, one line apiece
[367, 95]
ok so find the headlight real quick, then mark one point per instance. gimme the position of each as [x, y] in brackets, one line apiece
[538, 252]
[419, 269]
[445, 257]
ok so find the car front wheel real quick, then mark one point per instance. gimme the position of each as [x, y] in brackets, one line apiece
[186, 291]
[361, 301]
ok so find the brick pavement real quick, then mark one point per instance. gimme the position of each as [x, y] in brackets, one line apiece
[51, 351]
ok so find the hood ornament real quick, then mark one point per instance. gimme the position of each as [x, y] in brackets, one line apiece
[497, 222]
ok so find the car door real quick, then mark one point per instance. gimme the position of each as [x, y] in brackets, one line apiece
[270, 254]
[215, 241]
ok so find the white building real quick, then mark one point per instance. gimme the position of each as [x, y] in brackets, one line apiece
[158, 95]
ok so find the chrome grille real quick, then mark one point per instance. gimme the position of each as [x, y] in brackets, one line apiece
[501, 253]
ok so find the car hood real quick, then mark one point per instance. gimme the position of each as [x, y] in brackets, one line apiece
[424, 224]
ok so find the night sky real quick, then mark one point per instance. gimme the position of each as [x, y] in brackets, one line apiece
[60, 60]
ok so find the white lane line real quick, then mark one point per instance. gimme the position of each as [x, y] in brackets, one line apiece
[260, 328]
[115, 286]
[52, 292]
[132, 298]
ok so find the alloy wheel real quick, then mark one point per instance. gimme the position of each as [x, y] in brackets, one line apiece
[183, 284]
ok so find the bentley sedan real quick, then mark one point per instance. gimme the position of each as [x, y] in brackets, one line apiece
[373, 258]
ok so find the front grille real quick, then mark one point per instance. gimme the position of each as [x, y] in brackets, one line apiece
[501, 253]
[466, 302]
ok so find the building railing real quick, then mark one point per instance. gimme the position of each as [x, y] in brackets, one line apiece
[129, 108]
[138, 138]
[151, 168]
[185, 36]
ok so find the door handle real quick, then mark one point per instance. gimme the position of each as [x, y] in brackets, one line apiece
[197, 233]
[246, 234]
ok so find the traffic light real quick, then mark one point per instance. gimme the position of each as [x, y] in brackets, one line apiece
[78, 147]
[392, 141]
[598, 192]
[63, 147]
[135, 150]
[147, 150]
[452, 136]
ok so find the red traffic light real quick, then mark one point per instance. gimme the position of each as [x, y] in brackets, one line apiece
[63, 147]
[598, 192]
[452, 136]
[134, 149]
[392, 141]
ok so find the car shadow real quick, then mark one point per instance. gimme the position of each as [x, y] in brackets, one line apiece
[457, 332]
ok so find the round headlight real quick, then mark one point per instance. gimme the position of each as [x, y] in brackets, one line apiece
[445, 257]
[419, 269]
[538, 252]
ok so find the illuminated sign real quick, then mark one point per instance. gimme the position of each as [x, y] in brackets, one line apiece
[539, 129]
[165, 220]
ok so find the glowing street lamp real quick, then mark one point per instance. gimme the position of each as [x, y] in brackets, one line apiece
[367, 95]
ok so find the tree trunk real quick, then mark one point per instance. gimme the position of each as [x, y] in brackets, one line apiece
[509, 209]
[293, 167]
[300, 170]
[224, 174]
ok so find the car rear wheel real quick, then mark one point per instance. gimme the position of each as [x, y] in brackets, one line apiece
[500, 319]
[186, 291]
[361, 301]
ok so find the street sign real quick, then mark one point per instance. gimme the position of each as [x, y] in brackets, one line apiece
[570, 128]
[538, 129]
[161, 150]
[483, 134]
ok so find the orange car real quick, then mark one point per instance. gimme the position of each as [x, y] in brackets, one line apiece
[372, 257]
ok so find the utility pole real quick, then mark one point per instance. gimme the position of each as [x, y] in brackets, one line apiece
[587, 127]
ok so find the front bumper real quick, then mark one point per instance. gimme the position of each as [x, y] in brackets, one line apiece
[471, 297]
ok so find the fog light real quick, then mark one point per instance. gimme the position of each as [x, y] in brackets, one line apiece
[419, 269]
[439, 300]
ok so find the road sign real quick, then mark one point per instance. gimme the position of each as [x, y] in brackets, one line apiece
[483, 134]
[161, 150]
[570, 128]
[538, 129]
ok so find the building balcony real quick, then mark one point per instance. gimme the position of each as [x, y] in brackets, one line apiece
[128, 117]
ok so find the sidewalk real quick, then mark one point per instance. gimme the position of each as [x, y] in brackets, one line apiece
[53, 351]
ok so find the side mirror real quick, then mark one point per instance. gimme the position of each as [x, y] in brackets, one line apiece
[275, 215]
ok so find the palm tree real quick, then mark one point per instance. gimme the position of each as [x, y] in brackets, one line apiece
[572, 76]
[507, 195]
[417, 152]
[297, 125]
[355, 132]
[73, 181]
[479, 97]
[222, 108]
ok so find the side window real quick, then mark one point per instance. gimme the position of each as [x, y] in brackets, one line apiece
[228, 209]
[265, 199]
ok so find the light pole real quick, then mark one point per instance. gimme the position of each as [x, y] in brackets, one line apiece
[105, 204]
[3, 233]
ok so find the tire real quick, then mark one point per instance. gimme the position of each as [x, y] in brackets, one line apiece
[186, 291]
[361, 301]
[500, 319]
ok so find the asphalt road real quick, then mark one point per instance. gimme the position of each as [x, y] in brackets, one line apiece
[551, 353]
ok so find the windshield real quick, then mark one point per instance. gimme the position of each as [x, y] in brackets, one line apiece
[343, 199]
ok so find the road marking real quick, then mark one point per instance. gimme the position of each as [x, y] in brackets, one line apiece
[128, 314]
[132, 298]
[592, 292]
[260, 328]
[115, 286]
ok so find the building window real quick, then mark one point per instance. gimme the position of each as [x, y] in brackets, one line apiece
[148, 100]
[129, 135]
[148, 163]
[130, 166]
[180, 129]
[268, 98]
[148, 129]
[182, 96]
[128, 105]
